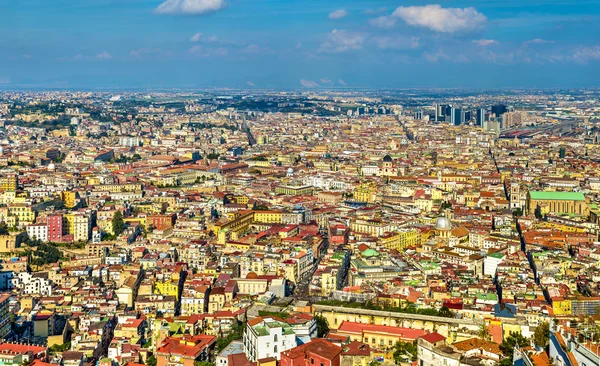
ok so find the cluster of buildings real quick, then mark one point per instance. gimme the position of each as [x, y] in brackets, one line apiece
[179, 229]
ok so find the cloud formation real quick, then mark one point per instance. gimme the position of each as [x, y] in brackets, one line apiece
[586, 54]
[103, 56]
[385, 21]
[537, 41]
[443, 20]
[340, 40]
[190, 7]
[341, 82]
[143, 51]
[196, 37]
[338, 14]
[250, 83]
[308, 83]
[204, 52]
[484, 42]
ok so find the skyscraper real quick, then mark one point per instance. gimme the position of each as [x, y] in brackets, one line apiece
[480, 116]
[457, 116]
[419, 115]
[499, 109]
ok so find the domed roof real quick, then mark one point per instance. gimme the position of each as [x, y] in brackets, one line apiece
[370, 253]
[251, 276]
[443, 223]
[387, 159]
[290, 170]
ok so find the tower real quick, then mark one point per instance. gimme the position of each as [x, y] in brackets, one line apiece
[515, 195]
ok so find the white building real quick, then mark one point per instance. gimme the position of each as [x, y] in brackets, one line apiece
[33, 284]
[491, 262]
[38, 231]
[266, 337]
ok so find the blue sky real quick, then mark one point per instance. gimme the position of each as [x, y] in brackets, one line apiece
[299, 43]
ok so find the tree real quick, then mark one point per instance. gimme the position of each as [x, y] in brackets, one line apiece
[203, 363]
[445, 312]
[151, 361]
[484, 333]
[117, 223]
[508, 347]
[541, 336]
[403, 350]
[322, 325]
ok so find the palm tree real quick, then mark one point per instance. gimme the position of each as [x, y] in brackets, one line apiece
[484, 333]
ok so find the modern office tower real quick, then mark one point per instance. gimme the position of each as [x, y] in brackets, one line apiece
[499, 109]
[457, 116]
[480, 117]
[419, 115]
[468, 115]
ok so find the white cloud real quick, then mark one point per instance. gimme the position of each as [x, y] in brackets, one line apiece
[326, 81]
[385, 21]
[585, 54]
[375, 11]
[338, 14]
[308, 83]
[436, 56]
[103, 56]
[537, 41]
[196, 37]
[4, 81]
[484, 42]
[143, 51]
[342, 41]
[250, 83]
[444, 20]
[341, 82]
[385, 43]
[200, 51]
[190, 7]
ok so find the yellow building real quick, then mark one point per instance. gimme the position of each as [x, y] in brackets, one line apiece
[562, 307]
[400, 239]
[8, 183]
[560, 202]
[365, 192]
[24, 214]
[268, 217]
[170, 288]
[69, 198]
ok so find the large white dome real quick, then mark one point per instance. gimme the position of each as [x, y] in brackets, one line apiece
[443, 223]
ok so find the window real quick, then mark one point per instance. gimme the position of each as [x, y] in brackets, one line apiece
[312, 361]
[275, 339]
[275, 348]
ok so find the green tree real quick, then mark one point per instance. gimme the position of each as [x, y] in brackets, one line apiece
[403, 350]
[508, 347]
[203, 363]
[151, 361]
[484, 333]
[541, 336]
[445, 312]
[118, 224]
[322, 326]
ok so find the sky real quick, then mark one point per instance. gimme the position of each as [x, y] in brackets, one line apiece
[299, 44]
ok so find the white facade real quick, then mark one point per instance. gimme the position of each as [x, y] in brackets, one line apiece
[490, 264]
[30, 284]
[38, 231]
[268, 338]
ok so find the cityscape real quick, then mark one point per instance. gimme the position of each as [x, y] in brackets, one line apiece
[361, 198]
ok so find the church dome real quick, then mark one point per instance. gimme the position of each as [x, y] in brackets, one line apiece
[443, 223]
[387, 159]
[370, 253]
